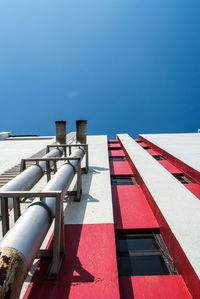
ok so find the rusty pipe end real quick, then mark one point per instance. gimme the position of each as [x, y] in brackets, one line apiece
[13, 271]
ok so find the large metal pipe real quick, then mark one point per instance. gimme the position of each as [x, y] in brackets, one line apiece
[81, 131]
[24, 239]
[29, 177]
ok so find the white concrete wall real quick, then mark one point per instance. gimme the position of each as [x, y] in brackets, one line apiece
[178, 205]
[185, 147]
[96, 202]
[12, 151]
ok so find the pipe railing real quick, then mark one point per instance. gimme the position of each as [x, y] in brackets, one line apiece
[20, 245]
[29, 177]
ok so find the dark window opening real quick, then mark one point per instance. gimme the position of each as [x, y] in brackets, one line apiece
[146, 147]
[138, 141]
[159, 157]
[113, 141]
[123, 180]
[117, 159]
[183, 178]
[143, 254]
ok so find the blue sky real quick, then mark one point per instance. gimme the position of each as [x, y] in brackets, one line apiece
[124, 65]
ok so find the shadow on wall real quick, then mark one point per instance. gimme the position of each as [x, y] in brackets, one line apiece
[72, 272]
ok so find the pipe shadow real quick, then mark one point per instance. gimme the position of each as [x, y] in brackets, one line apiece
[72, 272]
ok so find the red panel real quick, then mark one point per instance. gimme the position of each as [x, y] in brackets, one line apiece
[116, 153]
[152, 152]
[89, 269]
[194, 188]
[120, 168]
[153, 287]
[171, 168]
[131, 209]
[115, 145]
[142, 144]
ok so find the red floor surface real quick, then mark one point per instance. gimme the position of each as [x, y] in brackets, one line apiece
[131, 209]
[116, 153]
[171, 168]
[153, 287]
[120, 168]
[89, 269]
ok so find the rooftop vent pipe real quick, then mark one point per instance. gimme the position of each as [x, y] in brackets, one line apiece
[61, 132]
[81, 131]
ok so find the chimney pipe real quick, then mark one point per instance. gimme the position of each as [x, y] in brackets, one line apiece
[61, 132]
[81, 131]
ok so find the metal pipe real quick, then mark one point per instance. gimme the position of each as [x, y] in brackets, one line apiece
[81, 131]
[29, 177]
[28, 233]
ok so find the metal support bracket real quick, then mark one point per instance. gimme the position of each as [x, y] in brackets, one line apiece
[70, 146]
[58, 251]
[76, 194]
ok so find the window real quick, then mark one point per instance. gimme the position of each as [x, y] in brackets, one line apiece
[159, 157]
[116, 148]
[138, 141]
[146, 147]
[123, 180]
[143, 254]
[183, 178]
[117, 159]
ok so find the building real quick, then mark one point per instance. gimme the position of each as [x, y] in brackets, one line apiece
[135, 232]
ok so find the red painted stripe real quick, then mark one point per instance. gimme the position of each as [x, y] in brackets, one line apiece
[114, 145]
[193, 173]
[153, 287]
[120, 168]
[171, 168]
[116, 153]
[194, 188]
[131, 209]
[89, 268]
[142, 144]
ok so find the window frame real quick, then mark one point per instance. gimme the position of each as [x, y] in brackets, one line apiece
[183, 178]
[163, 253]
[159, 157]
[121, 159]
[132, 177]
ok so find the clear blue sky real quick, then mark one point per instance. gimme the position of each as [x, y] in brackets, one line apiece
[124, 65]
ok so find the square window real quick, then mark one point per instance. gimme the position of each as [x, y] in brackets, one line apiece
[116, 148]
[142, 254]
[127, 243]
[123, 180]
[142, 265]
[159, 157]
